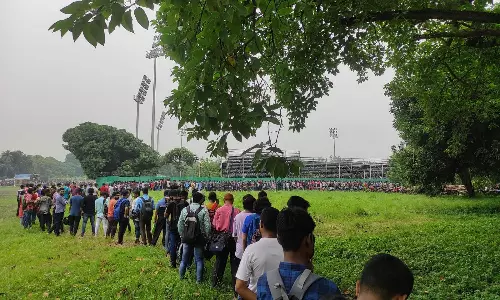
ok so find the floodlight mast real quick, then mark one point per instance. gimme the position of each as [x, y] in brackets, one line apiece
[154, 53]
[139, 99]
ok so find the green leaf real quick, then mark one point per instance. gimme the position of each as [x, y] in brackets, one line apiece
[237, 135]
[150, 4]
[75, 7]
[273, 120]
[271, 163]
[77, 31]
[117, 12]
[141, 17]
[98, 33]
[212, 112]
[127, 21]
[285, 11]
[87, 33]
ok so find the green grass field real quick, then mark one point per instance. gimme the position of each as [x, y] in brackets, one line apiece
[451, 244]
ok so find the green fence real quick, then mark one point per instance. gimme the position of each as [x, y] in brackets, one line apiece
[113, 179]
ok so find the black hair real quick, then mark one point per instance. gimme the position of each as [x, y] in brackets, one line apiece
[212, 196]
[104, 194]
[294, 224]
[386, 276]
[248, 202]
[297, 201]
[145, 190]
[268, 218]
[165, 193]
[30, 190]
[91, 191]
[185, 194]
[262, 194]
[22, 186]
[173, 193]
[198, 197]
[125, 192]
[260, 204]
[137, 192]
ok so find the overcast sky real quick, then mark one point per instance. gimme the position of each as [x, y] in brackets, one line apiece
[50, 84]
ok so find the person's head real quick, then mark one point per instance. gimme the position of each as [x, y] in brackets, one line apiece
[248, 202]
[297, 201]
[78, 191]
[125, 193]
[198, 198]
[165, 193]
[45, 192]
[261, 194]
[104, 195]
[229, 198]
[212, 197]
[31, 190]
[145, 191]
[184, 194]
[384, 277]
[174, 195]
[295, 232]
[260, 204]
[137, 193]
[22, 186]
[61, 191]
[116, 195]
[91, 191]
[268, 219]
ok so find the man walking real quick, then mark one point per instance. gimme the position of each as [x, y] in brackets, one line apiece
[75, 211]
[173, 212]
[194, 229]
[260, 257]
[111, 221]
[60, 205]
[89, 210]
[160, 220]
[223, 224]
[123, 207]
[135, 216]
[145, 205]
[44, 204]
[101, 214]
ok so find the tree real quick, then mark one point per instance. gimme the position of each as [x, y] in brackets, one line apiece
[73, 165]
[180, 158]
[243, 63]
[106, 150]
[14, 162]
[205, 168]
[446, 105]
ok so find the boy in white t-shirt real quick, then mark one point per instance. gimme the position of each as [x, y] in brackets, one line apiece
[260, 257]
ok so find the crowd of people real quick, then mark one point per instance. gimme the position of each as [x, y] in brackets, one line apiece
[270, 252]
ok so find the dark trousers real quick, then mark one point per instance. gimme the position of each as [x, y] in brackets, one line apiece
[111, 227]
[58, 217]
[174, 244]
[145, 230]
[74, 223]
[234, 269]
[45, 221]
[121, 231]
[159, 228]
[137, 227]
[221, 261]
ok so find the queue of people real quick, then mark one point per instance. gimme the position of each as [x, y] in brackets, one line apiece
[270, 252]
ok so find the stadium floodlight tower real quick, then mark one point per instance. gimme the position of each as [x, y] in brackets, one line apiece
[158, 128]
[154, 53]
[334, 135]
[140, 98]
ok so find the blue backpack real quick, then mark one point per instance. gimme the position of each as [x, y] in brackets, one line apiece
[119, 209]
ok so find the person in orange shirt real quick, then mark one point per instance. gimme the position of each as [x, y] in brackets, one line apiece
[111, 207]
[212, 205]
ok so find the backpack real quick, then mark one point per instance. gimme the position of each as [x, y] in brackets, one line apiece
[299, 287]
[119, 210]
[256, 236]
[192, 231]
[147, 209]
[178, 207]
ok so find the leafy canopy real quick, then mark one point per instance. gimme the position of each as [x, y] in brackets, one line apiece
[243, 63]
[106, 150]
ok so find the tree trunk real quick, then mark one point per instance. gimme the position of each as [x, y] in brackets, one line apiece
[467, 181]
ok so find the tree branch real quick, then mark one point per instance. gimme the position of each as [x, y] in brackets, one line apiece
[424, 15]
[459, 34]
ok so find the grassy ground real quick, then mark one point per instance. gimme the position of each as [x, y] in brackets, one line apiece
[451, 244]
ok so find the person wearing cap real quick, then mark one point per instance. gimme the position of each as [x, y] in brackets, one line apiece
[223, 223]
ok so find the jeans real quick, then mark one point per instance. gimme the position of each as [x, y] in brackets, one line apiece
[28, 218]
[137, 227]
[221, 261]
[121, 231]
[159, 228]
[74, 222]
[58, 217]
[167, 240]
[187, 257]
[104, 221]
[112, 227]
[145, 231]
[92, 223]
[174, 242]
[45, 221]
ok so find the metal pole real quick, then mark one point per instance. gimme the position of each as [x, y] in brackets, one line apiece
[154, 101]
[137, 121]
[339, 168]
[334, 147]
[157, 139]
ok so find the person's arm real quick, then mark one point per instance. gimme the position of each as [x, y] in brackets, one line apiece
[243, 290]
[180, 223]
[243, 274]
[216, 217]
[207, 222]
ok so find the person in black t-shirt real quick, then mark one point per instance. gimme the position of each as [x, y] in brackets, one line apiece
[159, 219]
[172, 214]
[88, 208]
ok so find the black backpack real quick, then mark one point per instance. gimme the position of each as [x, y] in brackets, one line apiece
[192, 231]
[147, 209]
[178, 207]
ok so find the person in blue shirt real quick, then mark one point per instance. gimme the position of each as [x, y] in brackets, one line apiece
[67, 191]
[251, 223]
[160, 220]
[295, 234]
[75, 211]
[145, 221]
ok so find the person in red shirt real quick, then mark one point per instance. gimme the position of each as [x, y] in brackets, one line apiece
[223, 224]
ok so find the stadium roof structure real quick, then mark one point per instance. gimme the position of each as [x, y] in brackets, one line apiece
[238, 165]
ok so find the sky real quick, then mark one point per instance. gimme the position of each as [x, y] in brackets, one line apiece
[50, 84]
